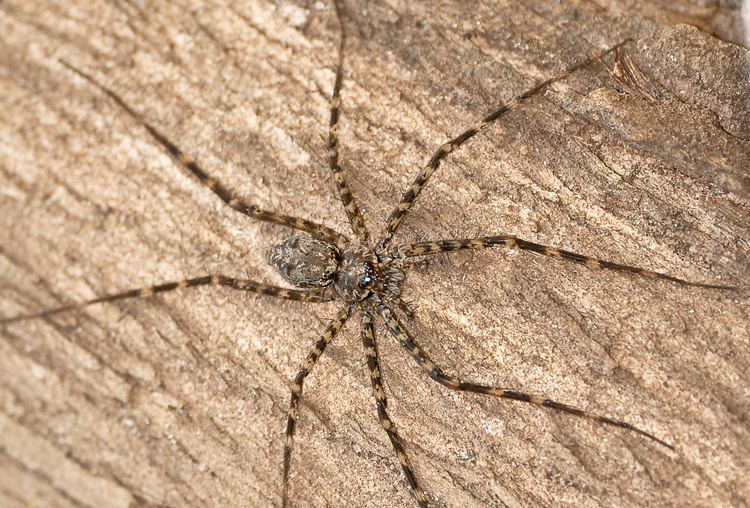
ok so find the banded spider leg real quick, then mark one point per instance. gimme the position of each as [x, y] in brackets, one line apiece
[366, 274]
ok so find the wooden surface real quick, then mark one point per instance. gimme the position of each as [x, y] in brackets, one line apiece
[181, 400]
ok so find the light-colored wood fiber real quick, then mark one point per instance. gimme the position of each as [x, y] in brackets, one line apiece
[180, 400]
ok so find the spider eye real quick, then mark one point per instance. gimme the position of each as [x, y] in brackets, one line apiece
[368, 276]
[365, 281]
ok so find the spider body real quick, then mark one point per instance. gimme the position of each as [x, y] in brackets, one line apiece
[355, 273]
[365, 274]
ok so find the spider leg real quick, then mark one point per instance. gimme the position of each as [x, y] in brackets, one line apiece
[317, 230]
[311, 295]
[436, 373]
[299, 379]
[356, 220]
[373, 364]
[410, 196]
[435, 247]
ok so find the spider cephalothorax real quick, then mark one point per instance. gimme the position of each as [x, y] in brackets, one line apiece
[361, 273]
[324, 265]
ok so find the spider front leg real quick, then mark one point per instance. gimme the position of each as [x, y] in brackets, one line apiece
[311, 295]
[454, 383]
[297, 383]
[410, 196]
[356, 220]
[317, 230]
[378, 390]
[436, 247]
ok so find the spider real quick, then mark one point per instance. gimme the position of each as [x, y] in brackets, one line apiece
[365, 273]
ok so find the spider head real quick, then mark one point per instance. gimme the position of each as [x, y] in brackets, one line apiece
[361, 274]
[368, 275]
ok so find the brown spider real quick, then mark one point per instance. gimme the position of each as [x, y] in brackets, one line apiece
[367, 275]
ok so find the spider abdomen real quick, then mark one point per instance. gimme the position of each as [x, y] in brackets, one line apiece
[305, 261]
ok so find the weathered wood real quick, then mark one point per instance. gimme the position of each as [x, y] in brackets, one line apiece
[181, 400]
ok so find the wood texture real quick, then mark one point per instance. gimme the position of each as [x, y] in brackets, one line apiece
[180, 400]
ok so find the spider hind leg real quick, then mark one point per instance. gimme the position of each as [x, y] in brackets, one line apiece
[313, 295]
[192, 167]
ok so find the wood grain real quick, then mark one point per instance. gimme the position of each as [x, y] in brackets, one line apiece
[181, 400]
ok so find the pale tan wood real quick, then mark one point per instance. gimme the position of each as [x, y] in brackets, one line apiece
[181, 400]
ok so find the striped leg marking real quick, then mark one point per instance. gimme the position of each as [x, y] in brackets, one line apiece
[353, 212]
[378, 390]
[410, 196]
[430, 248]
[312, 295]
[317, 230]
[299, 380]
[454, 383]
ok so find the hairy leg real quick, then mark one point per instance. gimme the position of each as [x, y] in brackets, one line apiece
[378, 390]
[356, 220]
[410, 196]
[436, 247]
[312, 295]
[455, 383]
[313, 228]
[299, 380]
